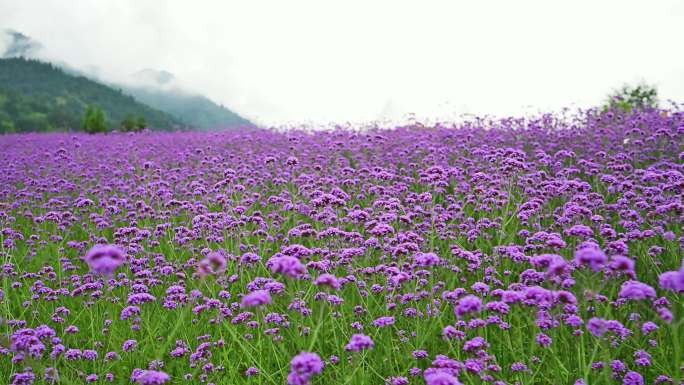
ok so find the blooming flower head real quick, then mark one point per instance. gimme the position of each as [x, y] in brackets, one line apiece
[591, 256]
[150, 377]
[327, 280]
[597, 326]
[291, 161]
[304, 366]
[475, 344]
[468, 304]
[648, 327]
[213, 263]
[25, 378]
[636, 290]
[105, 259]
[256, 298]
[286, 265]
[623, 264]
[129, 345]
[307, 363]
[51, 375]
[252, 371]
[672, 280]
[557, 265]
[139, 298]
[249, 259]
[633, 378]
[359, 342]
[397, 381]
[427, 259]
[384, 321]
[439, 377]
[543, 340]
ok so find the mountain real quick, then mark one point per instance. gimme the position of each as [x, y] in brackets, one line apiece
[195, 110]
[161, 90]
[38, 96]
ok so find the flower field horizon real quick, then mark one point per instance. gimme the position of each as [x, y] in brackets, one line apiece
[541, 250]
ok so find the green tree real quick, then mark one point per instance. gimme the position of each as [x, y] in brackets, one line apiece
[60, 118]
[34, 122]
[629, 98]
[141, 124]
[128, 124]
[101, 120]
[95, 120]
[7, 127]
[88, 120]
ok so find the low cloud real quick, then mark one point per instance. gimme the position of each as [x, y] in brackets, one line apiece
[16, 44]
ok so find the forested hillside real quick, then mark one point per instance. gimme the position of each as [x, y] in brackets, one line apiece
[37, 96]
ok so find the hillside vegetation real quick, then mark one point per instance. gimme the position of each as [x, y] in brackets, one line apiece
[193, 109]
[37, 97]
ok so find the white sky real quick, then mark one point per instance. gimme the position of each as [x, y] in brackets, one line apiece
[312, 61]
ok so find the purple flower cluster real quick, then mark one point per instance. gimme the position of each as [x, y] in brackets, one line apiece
[304, 366]
[468, 304]
[673, 280]
[359, 342]
[256, 298]
[105, 259]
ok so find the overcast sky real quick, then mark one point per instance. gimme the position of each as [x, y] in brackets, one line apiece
[310, 61]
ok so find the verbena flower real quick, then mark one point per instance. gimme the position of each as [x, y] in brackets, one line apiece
[149, 377]
[256, 298]
[359, 342]
[105, 259]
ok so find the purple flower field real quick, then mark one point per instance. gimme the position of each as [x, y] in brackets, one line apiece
[513, 251]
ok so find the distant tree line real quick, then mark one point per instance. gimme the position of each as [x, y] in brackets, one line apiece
[133, 124]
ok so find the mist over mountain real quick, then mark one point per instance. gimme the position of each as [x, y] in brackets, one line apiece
[194, 109]
[162, 90]
[158, 89]
[153, 78]
[16, 44]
